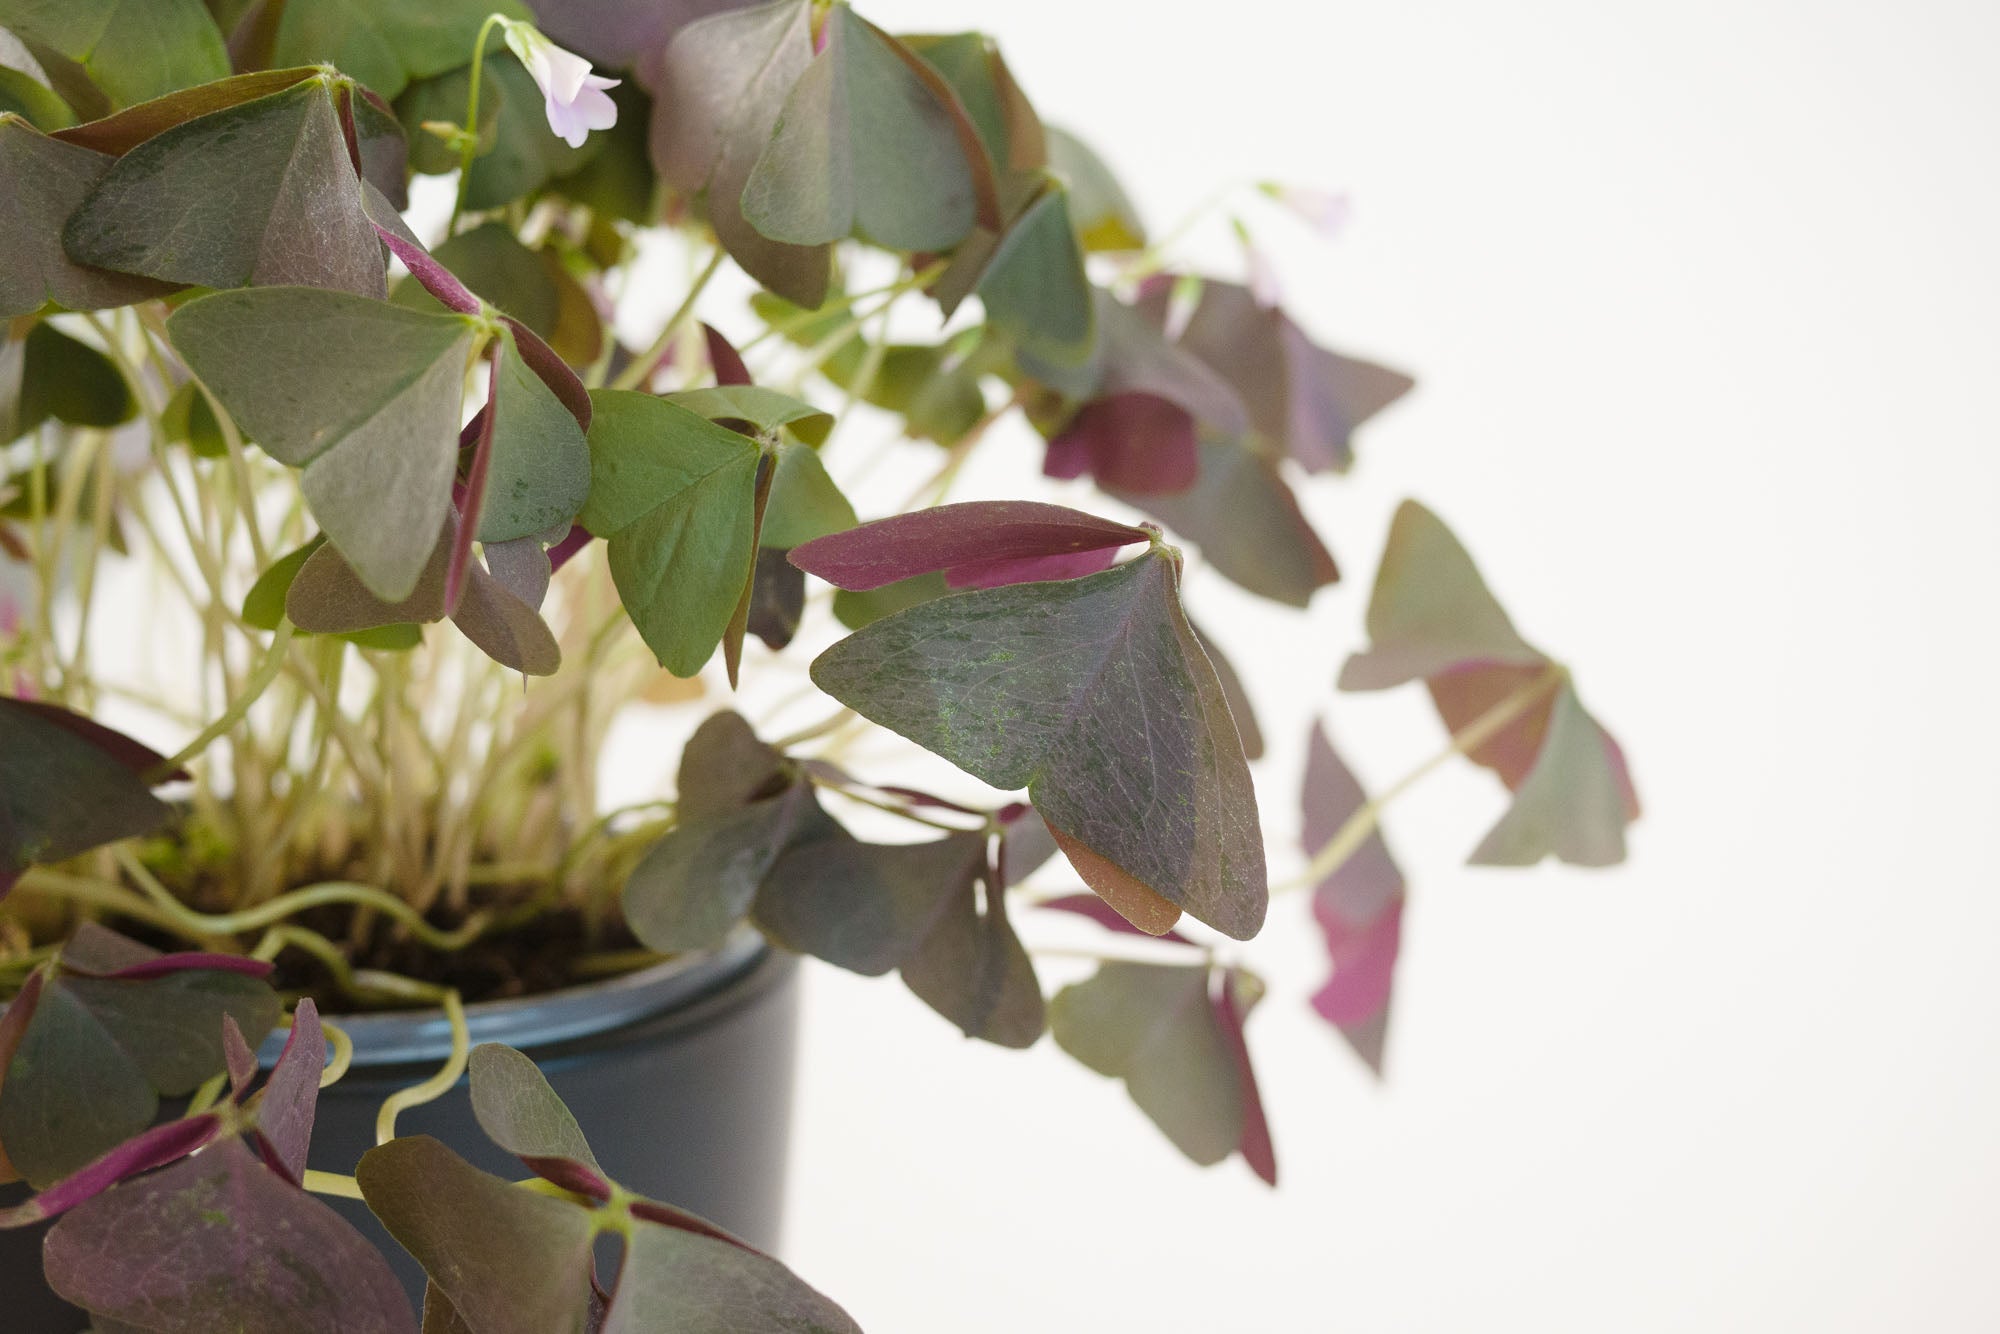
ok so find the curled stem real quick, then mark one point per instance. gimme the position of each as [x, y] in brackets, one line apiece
[430, 1090]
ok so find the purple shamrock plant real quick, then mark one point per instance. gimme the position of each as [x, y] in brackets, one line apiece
[330, 467]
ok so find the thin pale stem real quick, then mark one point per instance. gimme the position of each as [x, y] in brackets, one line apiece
[439, 1084]
[635, 375]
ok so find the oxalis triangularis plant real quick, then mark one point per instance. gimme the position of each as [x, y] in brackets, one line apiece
[313, 431]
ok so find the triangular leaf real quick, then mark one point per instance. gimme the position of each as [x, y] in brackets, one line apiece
[286, 1108]
[868, 146]
[1094, 695]
[520, 1112]
[540, 467]
[1358, 905]
[132, 49]
[217, 1242]
[698, 881]
[232, 197]
[363, 396]
[1573, 805]
[678, 1282]
[722, 88]
[45, 181]
[1035, 289]
[124, 131]
[1132, 444]
[66, 786]
[675, 495]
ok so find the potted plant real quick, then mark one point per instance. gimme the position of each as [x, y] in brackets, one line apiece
[349, 498]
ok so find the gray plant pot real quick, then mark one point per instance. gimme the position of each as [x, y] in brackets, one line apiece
[680, 1075]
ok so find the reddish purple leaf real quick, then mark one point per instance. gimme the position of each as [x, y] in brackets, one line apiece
[564, 551]
[1102, 913]
[724, 358]
[552, 370]
[291, 1095]
[185, 961]
[1137, 442]
[1359, 906]
[13, 1023]
[1230, 1011]
[237, 1056]
[1031, 569]
[219, 1242]
[432, 276]
[473, 498]
[668, 1215]
[517, 1109]
[976, 534]
[142, 1153]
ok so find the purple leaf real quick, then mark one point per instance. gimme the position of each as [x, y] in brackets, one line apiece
[671, 1215]
[291, 1095]
[432, 276]
[1031, 569]
[976, 534]
[1358, 905]
[184, 961]
[71, 786]
[473, 499]
[13, 1023]
[219, 1242]
[241, 1061]
[1233, 999]
[145, 1151]
[564, 551]
[552, 370]
[1138, 442]
[1025, 844]
[724, 358]
[1102, 913]
[675, 1281]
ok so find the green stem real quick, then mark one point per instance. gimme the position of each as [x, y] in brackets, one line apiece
[468, 147]
[239, 708]
[635, 375]
[439, 1084]
[1347, 840]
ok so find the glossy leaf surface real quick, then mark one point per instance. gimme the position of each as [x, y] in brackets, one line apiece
[261, 193]
[360, 395]
[1094, 695]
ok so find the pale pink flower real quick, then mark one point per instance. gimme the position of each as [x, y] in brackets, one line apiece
[574, 98]
[1325, 211]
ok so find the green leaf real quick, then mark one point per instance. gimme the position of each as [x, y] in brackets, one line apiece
[1008, 127]
[25, 89]
[363, 396]
[929, 909]
[42, 182]
[119, 134]
[700, 879]
[1094, 694]
[67, 786]
[722, 88]
[99, 1052]
[132, 49]
[189, 419]
[506, 1258]
[765, 411]
[387, 43]
[1035, 289]
[539, 473]
[1152, 1025]
[855, 610]
[264, 604]
[1243, 515]
[520, 1112]
[262, 193]
[674, 495]
[866, 147]
[1099, 207]
[805, 503]
[70, 381]
[525, 154]
[679, 1282]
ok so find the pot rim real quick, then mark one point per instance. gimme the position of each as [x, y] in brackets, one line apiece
[403, 1037]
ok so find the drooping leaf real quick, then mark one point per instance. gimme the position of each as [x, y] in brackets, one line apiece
[509, 1260]
[871, 143]
[1025, 846]
[387, 43]
[1236, 993]
[678, 1282]
[1094, 695]
[1007, 125]
[66, 786]
[522, 567]
[68, 380]
[1233, 691]
[1245, 518]
[261, 193]
[360, 395]
[1034, 288]
[131, 49]
[380, 143]
[99, 1052]
[777, 598]
[13, 1023]
[1154, 1026]
[166, 1142]
[1099, 208]
[520, 1112]
[855, 610]
[1134, 444]
[723, 84]
[674, 494]
[1432, 618]
[540, 468]
[1358, 905]
[216, 1242]
[285, 1109]
[740, 808]
[1305, 400]
[189, 419]
[42, 181]
[968, 542]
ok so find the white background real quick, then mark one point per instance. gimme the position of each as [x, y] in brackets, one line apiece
[1704, 307]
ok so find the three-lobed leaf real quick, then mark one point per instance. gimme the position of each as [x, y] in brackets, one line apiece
[1093, 694]
[45, 181]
